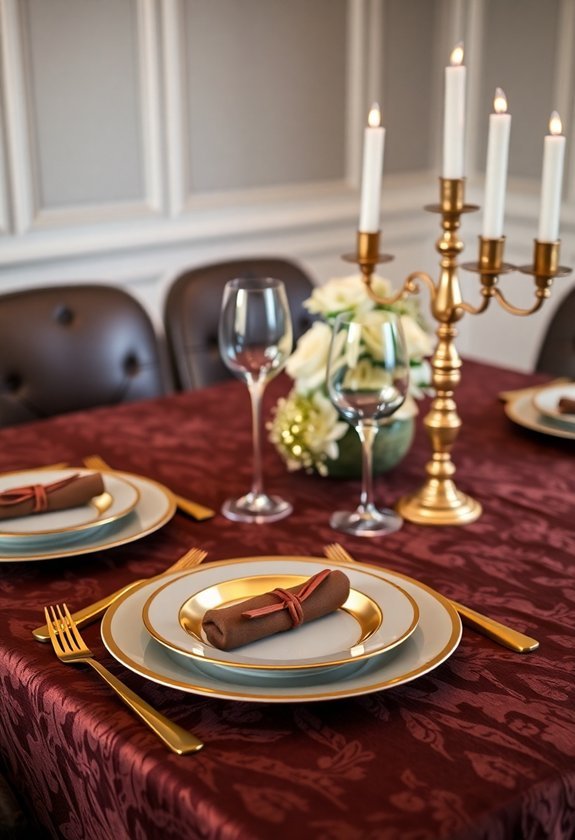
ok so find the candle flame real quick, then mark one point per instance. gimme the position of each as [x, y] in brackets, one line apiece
[500, 101]
[456, 56]
[555, 125]
[374, 118]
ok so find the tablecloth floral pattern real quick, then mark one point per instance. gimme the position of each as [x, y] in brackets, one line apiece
[482, 747]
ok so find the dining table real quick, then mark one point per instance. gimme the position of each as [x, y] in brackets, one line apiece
[481, 745]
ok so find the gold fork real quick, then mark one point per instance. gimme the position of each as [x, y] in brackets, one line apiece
[70, 647]
[191, 558]
[194, 509]
[496, 631]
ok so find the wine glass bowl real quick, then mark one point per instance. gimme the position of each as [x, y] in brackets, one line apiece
[367, 381]
[255, 340]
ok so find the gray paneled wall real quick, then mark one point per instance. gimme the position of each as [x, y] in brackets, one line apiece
[139, 137]
[408, 87]
[85, 100]
[519, 56]
[265, 92]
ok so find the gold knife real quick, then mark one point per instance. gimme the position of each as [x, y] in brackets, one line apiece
[506, 636]
[193, 509]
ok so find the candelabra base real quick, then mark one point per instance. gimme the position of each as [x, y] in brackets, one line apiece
[439, 502]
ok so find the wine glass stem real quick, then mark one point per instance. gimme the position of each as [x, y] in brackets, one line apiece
[367, 433]
[256, 390]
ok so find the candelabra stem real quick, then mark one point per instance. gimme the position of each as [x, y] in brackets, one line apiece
[439, 501]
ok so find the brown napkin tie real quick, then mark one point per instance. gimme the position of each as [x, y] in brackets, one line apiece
[276, 611]
[73, 491]
[566, 405]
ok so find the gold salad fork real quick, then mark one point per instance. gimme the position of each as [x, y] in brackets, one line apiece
[191, 558]
[194, 509]
[70, 647]
[494, 630]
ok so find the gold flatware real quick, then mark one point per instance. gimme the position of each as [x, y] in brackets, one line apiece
[500, 633]
[92, 612]
[61, 465]
[194, 509]
[513, 394]
[70, 648]
[102, 502]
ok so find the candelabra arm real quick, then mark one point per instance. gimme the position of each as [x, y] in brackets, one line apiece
[410, 287]
[541, 294]
[411, 283]
[380, 299]
[477, 310]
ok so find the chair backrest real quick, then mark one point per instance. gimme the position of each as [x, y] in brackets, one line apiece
[192, 313]
[66, 348]
[557, 351]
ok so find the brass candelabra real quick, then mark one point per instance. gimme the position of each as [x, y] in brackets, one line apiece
[439, 501]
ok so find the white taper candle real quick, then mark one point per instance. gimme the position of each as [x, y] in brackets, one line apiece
[552, 181]
[496, 171]
[373, 146]
[454, 116]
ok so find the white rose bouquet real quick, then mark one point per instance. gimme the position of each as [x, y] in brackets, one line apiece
[306, 428]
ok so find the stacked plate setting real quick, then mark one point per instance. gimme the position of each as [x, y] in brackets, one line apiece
[539, 411]
[138, 507]
[391, 630]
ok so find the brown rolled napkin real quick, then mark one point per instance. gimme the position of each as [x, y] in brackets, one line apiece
[276, 611]
[566, 405]
[73, 491]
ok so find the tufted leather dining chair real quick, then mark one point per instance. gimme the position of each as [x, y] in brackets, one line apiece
[66, 348]
[192, 313]
[557, 352]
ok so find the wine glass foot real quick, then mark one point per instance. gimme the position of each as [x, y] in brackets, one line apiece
[373, 523]
[258, 508]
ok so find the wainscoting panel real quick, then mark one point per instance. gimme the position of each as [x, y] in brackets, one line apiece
[142, 137]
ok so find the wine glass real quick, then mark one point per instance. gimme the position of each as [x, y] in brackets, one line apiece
[367, 380]
[255, 337]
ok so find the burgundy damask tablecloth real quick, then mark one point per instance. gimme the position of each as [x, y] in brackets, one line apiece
[482, 747]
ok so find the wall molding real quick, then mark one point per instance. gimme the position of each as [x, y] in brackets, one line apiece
[564, 97]
[23, 158]
[19, 150]
[176, 117]
[4, 213]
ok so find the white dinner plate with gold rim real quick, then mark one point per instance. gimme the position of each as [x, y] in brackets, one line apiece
[435, 638]
[155, 506]
[546, 402]
[523, 412]
[377, 616]
[71, 522]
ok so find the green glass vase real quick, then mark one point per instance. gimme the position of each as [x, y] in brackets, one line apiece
[391, 444]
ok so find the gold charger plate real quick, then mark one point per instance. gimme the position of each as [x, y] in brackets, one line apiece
[523, 412]
[435, 638]
[377, 616]
[70, 522]
[546, 402]
[155, 507]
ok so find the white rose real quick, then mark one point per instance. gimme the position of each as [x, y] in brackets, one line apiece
[365, 376]
[419, 343]
[420, 379]
[344, 294]
[307, 364]
[326, 427]
[406, 411]
[372, 333]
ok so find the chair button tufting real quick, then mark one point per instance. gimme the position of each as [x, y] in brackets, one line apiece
[131, 365]
[13, 382]
[63, 315]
